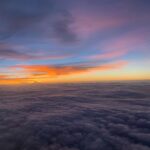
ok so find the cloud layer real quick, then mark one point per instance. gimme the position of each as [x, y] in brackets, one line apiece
[110, 116]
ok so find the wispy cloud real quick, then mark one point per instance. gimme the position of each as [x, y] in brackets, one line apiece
[64, 70]
[48, 72]
[15, 52]
[121, 46]
[128, 41]
[108, 55]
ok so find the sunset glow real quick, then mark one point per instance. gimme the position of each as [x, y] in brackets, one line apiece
[55, 41]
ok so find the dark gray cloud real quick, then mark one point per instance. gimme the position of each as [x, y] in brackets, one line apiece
[26, 15]
[17, 52]
[7, 52]
[39, 18]
[125, 94]
[75, 117]
[17, 15]
[62, 27]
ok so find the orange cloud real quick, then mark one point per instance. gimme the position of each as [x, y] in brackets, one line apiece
[38, 70]
[6, 79]
[45, 73]
[3, 76]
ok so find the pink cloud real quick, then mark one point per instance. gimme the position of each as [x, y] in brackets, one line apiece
[108, 55]
[122, 45]
[127, 42]
[86, 23]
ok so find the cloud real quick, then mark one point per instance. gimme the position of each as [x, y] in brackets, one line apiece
[68, 21]
[3, 76]
[125, 94]
[64, 70]
[109, 66]
[62, 27]
[44, 73]
[92, 18]
[129, 41]
[12, 54]
[16, 52]
[122, 46]
[19, 15]
[108, 55]
[86, 23]
[74, 117]
[30, 16]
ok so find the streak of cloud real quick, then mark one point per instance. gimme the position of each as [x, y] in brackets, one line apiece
[14, 52]
[108, 55]
[46, 72]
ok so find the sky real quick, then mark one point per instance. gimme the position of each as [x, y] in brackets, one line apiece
[56, 41]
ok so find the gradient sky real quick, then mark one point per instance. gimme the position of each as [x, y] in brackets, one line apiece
[74, 40]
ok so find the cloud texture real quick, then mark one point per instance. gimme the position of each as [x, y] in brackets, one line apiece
[110, 116]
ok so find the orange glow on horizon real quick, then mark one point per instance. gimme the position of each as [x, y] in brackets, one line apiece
[71, 74]
[44, 74]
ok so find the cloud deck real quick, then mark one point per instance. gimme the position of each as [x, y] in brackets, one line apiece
[110, 116]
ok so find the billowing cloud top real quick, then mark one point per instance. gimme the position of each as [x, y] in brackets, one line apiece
[71, 37]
